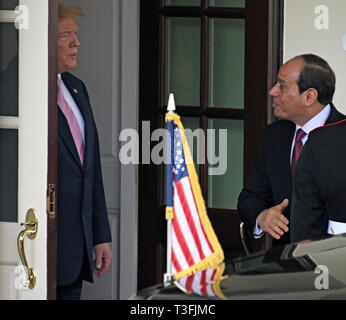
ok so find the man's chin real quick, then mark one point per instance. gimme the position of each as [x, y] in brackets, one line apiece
[277, 112]
[72, 65]
[280, 116]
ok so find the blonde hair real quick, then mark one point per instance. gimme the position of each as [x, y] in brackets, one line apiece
[67, 10]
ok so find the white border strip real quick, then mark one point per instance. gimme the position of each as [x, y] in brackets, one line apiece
[9, 123]
[8, 16]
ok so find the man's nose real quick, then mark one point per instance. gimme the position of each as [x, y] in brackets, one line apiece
[75, 41]
[274, 90]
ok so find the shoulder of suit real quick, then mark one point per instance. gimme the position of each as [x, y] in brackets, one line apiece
[331, 128]
[277, 132]
[339, 125]
[280, 126]
[71, 79]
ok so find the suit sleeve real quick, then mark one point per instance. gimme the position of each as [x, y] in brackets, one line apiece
[308, 218]
[256, 196]
[101, 228]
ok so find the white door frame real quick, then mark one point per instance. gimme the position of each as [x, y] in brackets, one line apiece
[32, 126]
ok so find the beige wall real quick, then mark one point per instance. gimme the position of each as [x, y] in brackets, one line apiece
[302, 36]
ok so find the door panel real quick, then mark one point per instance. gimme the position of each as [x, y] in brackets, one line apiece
[229, 73]
[31, 126]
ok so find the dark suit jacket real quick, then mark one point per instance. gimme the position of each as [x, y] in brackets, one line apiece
[319, 184]
[82, 216]
[269, 182]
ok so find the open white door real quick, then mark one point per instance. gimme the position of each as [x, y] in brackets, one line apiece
[23, 143]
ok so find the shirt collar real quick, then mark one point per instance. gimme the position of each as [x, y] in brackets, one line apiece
[317, 121]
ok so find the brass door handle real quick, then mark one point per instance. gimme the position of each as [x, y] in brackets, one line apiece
[31, 225]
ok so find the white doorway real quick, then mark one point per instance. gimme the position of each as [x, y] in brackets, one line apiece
[23, 144]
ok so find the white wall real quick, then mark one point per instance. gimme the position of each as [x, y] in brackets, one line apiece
[302, 35]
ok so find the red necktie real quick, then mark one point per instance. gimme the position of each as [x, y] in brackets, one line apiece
[298, 147]
[72, 122]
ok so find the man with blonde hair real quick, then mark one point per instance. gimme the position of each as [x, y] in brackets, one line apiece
[83, 226]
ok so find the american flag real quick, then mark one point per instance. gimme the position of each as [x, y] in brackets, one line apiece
[194, 245]
[204, 283]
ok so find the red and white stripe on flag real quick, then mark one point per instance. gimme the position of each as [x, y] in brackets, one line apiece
[190, 243]
[194, 244]
[205, 283]
[200, 283]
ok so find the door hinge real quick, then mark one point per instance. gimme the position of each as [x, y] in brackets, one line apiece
[51, 204]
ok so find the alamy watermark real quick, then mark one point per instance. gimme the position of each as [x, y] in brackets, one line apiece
[322, 20]
[22, 17]
[161, 153]
[322, 280]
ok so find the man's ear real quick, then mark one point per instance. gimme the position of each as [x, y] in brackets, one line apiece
[310, 96]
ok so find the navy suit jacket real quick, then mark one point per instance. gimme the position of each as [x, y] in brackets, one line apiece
[82, 216]
[319, 184]
[269, 182]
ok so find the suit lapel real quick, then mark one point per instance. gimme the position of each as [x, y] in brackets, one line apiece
[82, 103]
[287, 145]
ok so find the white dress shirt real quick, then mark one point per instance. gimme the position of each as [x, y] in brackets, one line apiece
[317, 121]
[67, 95]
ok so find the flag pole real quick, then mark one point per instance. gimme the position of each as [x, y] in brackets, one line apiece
[168, 277]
